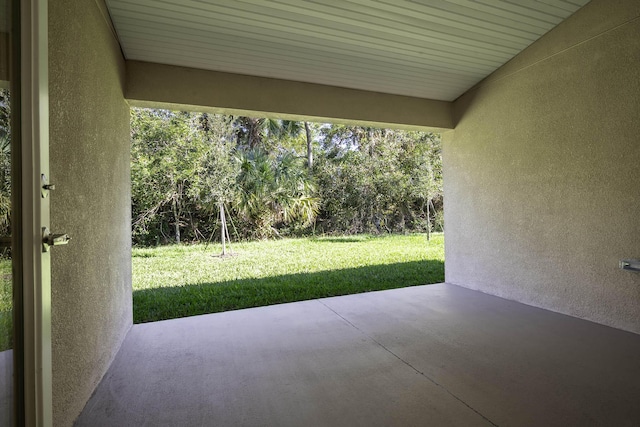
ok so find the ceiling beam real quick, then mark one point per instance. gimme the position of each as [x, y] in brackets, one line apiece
[155, 85]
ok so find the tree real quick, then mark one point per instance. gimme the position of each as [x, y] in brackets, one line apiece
[250, 131]
[165, 153]
[307, 132]
[274, 189]
[278, 177]
[274, 135]
[373, 180]
[217, 170]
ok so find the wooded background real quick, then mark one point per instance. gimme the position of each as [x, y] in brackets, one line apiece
[278, 178]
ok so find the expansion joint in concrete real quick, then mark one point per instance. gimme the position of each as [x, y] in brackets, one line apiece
[409, 364]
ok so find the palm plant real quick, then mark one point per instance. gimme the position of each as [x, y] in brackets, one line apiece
[274, 190]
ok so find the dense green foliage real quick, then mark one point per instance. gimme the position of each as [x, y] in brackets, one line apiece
[374, 180]
[278, 178]
[6, 304]
[5, 163]
[184, 280]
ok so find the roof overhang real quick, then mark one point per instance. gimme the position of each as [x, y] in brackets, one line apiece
[362, 60]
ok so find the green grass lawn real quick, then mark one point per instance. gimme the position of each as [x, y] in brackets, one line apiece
[178, 281]
[6, 305]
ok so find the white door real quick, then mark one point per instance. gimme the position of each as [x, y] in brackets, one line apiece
[36, 267]
[28, 401]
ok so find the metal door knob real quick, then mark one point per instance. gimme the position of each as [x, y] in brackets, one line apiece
[49, 239]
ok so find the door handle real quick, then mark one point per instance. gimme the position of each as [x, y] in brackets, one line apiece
[49, 239]
[630, 265]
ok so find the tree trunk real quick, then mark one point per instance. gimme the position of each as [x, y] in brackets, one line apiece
[176, 219]
[254, 133]
[309, 147]
[223, 229]
[428, 224]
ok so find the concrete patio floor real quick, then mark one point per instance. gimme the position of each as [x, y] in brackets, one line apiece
[434, 355]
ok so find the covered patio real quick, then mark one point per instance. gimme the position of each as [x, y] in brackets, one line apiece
[537, 103]
[428, 355]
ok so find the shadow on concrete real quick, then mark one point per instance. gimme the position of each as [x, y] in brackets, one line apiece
[171, 302]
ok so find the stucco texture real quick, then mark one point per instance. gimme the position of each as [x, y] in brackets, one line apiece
[541, 172]
[89, 154]
[154, 85]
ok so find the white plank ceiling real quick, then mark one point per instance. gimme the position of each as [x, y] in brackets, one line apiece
[433, 49]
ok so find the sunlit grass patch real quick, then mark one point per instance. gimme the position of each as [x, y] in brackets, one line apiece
[178, 281]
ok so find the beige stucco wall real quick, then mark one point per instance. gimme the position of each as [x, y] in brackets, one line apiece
[542, 172]
[89, 149]
[154, 85]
